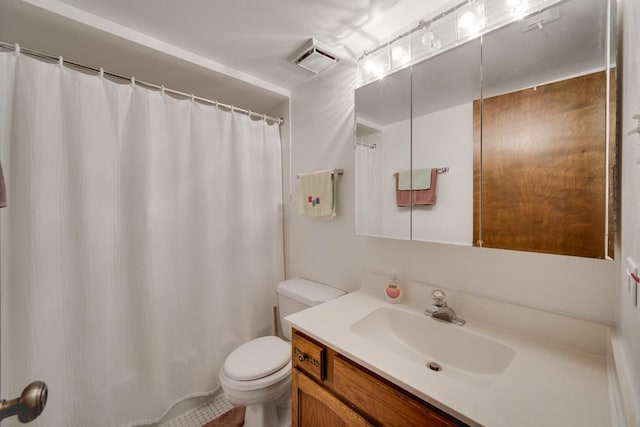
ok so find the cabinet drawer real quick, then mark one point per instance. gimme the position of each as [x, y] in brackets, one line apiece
[308, 356]
[383, 403]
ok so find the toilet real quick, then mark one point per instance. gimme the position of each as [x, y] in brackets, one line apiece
[257, 374]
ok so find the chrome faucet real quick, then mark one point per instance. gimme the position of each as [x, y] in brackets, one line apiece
[440, 310]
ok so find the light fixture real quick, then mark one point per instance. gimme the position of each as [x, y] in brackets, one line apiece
[518, 8]
[427, 38]
[314, 57]
[400, 55]
[430, 41]
[374, 67]
[470, 20]
[458, 24]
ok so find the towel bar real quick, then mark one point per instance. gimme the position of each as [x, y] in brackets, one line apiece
[335, 172]
[440, 171]
[637, 129]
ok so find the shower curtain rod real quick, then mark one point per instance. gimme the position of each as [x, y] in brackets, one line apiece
[19, 49]
[362, 144]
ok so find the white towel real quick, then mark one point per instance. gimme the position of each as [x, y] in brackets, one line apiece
[417, 179]
[317, 194]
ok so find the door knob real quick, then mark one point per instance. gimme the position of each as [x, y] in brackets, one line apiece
[29, 405]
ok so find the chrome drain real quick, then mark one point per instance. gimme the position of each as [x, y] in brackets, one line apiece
[434, 366]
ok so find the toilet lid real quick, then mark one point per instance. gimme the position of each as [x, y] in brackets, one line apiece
[257, 358]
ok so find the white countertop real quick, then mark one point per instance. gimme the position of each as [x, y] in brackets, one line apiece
[546, 384]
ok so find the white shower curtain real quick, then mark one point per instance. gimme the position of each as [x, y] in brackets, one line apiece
[368, 191]
[140, 245]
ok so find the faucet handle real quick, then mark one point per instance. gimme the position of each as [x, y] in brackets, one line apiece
[438, 296]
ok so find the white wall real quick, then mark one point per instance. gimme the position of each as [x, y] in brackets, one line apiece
[628, 316]
[329, 251]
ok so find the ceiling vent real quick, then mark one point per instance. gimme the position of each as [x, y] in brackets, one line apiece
[314, 57]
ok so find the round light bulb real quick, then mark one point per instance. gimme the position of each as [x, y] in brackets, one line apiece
[427, 38]
[518, 8]
[378, 72]
[399, 55]
[468, 21]
[369, 65]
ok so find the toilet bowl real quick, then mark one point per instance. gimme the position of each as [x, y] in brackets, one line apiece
[257, 374]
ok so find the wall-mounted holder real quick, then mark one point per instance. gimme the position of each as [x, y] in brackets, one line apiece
[634, 289]
[440, 171]
[637, 129]
[339, 172]
[633, 278]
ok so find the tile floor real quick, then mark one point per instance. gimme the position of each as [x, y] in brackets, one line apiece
[201, 415]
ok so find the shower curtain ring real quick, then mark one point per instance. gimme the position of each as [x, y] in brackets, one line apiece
[101, 72]
[60, 61]
[162, 89]
[133, 80]
[17, 49]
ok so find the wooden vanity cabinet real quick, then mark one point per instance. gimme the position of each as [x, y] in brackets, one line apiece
[328, 389]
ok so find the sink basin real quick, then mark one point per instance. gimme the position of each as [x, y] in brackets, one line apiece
[422, 339]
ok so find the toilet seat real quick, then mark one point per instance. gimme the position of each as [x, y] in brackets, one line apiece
[257, 363]
[283, 375]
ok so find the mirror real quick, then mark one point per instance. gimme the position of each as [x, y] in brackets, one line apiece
[444, 89]
[523, 118]
[383, 147]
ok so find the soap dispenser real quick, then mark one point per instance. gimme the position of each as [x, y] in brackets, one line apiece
[392, 291]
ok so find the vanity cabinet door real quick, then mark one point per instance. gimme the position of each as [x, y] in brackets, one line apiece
[314, 406]
[384, 404]
[544, 168]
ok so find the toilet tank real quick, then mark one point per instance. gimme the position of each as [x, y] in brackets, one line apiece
[298, 294]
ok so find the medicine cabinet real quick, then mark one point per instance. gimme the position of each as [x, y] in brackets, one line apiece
[514, 130]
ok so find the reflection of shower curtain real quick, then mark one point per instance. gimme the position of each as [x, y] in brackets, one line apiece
[141, 244]
[368, 191]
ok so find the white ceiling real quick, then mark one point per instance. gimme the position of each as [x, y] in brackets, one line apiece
[252, 37]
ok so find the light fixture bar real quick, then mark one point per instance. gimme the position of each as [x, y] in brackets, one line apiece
[463, 21]
[421, 24]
